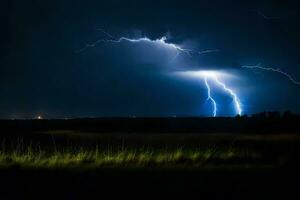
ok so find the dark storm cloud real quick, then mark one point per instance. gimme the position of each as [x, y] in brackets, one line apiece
[41, 72]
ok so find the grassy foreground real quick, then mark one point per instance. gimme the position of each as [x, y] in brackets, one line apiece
[83, 150]
[31, 158]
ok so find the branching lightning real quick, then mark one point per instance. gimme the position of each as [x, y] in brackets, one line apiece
[213, 76]
[159, 41]
[277, 70]
[209, 97]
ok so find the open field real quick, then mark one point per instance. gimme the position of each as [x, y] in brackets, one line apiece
[71, 149]
[72, 163]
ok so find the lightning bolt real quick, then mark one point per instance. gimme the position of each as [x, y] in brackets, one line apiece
[277, 70]
[209, 97]
[232, 93]
[160, 41]
[213, 77]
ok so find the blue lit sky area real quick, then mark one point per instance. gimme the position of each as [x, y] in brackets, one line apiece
[148, 58]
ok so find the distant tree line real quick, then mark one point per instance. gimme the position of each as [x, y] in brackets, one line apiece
[271, 115]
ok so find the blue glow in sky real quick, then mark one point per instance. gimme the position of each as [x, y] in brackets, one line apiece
[122, 58]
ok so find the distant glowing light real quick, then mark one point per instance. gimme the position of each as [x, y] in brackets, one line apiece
[214, 75]
[39, 117]
[204, 73]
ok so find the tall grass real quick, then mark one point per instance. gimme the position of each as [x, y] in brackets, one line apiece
[28, 157]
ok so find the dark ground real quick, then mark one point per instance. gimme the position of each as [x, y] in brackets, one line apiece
[214, 184]
[280, 150]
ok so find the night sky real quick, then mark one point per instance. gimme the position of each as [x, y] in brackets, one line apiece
[44, 71]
